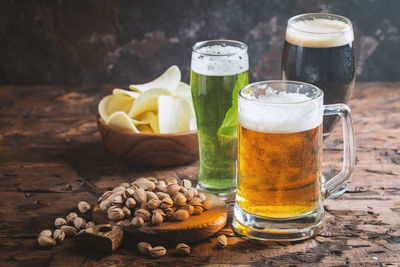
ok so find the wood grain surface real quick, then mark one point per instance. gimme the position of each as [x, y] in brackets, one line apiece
[196, 228]
[150, 149]
[51, 157]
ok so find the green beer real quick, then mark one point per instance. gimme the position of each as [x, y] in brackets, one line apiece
[219, 70]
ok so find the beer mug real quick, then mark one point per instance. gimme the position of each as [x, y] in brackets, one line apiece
[279, 191]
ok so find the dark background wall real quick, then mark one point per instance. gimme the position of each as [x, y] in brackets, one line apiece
[73, 42]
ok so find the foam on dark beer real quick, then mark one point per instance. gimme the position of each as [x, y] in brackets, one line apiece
[319, 33]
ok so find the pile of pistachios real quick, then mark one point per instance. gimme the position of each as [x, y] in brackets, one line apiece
[152, 200]
[144, 200]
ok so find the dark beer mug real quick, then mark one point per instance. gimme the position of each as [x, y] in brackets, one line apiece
[319, 49]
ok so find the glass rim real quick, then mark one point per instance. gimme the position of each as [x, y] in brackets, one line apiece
[319, 95]
[344, 19]
[243, 47]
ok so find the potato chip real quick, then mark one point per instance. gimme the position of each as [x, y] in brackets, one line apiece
[173, 114]
[144, 129]
[154, 124]
[147, 101]
[168, 80]
[192, 123]
[183, 90]
[144, 118]
[120, 120]
[118, 91]
[113, 103]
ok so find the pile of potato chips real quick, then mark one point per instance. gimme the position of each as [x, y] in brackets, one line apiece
[163, 105]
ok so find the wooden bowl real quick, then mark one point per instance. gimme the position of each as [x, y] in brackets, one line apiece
[150, 149]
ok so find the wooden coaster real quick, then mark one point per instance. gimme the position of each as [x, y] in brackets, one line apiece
[197, 227]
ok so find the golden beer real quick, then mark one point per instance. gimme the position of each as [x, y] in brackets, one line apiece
[279, 192]
[279, 173]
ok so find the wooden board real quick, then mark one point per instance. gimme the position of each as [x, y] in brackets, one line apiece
[197, 227]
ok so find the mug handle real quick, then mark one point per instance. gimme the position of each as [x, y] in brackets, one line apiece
[349, 148]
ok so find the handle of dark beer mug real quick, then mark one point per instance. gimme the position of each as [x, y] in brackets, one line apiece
[349, 148]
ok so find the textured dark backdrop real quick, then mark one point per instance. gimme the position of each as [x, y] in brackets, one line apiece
[109, 41]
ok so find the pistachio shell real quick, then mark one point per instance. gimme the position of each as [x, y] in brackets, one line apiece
[144, 247]
[182, 249]
[181, 215]
[157, 252]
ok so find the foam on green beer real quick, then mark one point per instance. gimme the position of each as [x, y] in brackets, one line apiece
[218, 60]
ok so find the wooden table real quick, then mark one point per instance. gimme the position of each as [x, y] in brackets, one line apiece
[51, 157]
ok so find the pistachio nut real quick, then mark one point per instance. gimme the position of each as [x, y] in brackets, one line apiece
[119, 190]
[152, 179]
[196, 202]
[151, 195]
[181, 215]
[115, 214]
[140, 196]
[130, 203]
[159, 211]
[157, 252]
[126, 211]
[188, 208]
[137, 221]
[46, 241]
[172, 189]
[182, 189]
[171, 180]
[186, 183]
[59, 235]
[71, 217]
[189, 194]
[156, 219]
[83, 207]
[60, 222]
[166, 203]
[117, 200]
[144, 247]
[162, 195]
[145, 214]
[104, 205]
[154, 203]
[207, 204]
[69, 230]
[46, 233]
[90, 224]
[197, 210]
[80, 223]
[168, 212]
[182, 249]
[222, 241]
[179, 199]
[146, 185]
[129, 193]
[105, 196]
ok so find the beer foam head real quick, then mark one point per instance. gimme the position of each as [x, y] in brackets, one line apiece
[279, 112]
[219, 60]
[319, 32]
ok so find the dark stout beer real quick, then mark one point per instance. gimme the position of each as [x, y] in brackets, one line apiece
[319, 49]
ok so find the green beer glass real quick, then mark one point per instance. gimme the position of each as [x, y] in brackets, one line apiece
[219, 68]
